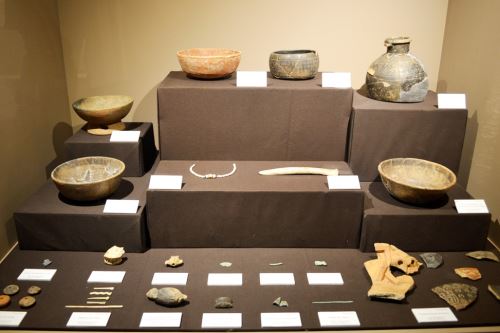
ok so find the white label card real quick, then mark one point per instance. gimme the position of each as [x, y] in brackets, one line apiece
[338, 318]
[125, 136]
[37, 274]
[221, 320]
[172, 279]
[88, 319]
[11, 318]
[165, 182]
[347, 182]
[106, 277]
[433, 315]
[451, 101]
[471, 206]
[225, 279]
[161, 319]
[251, 79]
[277, 279]
[325, 279]
[280, 319]
[121, 206]
[336, 80]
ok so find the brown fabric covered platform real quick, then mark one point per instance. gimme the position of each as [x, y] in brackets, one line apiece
[383, 130]
[48, 221]
[435, 227]
[137, 156]
[250, 210]
[288, 120]
[69, 286]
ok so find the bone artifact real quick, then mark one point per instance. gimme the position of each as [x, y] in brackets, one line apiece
[332, 302]
[471, 273]
[100, 293]
[494, 290]
[299, 171]
[458, 295]
[280, 302]
[275, 264]
[174, 261]
[226, 264]
[432, 259]
[4, 301]
[34, 290]
[96, 302]
[93, 306]
[11, 289]
[320, 263]
[27, 301]
[104, 288]
[106, 298]
[114, 255]
[212, 175]
[483, 255]
[46, 262]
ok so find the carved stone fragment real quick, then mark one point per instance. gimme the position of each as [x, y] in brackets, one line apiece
[471, 273]
[458, 295]
[223, 302]
[168, 296]
[483, 255]
[280, 302]
[432, 259]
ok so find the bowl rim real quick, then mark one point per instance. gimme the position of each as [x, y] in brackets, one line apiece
[442, 188]
[78, 101]
[234, 54]
[57, 180]
[294, 52]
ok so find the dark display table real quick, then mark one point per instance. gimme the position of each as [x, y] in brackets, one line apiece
[48, 221]
[250, 210]
[137, 156]
[288, 120]
[432, 228]
[382, 130]
[69, 286]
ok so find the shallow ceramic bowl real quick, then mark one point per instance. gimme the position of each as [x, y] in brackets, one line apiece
[209, 63]
[103, 110]
[294, 64]
[88, 178]
[416, 181]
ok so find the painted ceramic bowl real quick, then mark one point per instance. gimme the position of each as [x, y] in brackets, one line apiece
[416, 181]
[103, 110]
[209, 63]
[294, 64]
[88, 178]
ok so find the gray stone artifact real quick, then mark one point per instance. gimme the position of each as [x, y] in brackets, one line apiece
[294, 64]
[88, 178]
[479, 255]
[46, 262]
[168, 296]
[494, 290]
[432, 259]
[223, 302]
[471, 273]
[114, 255]
[280, 302]
[414, 180]
[34, 290]
[27, 301]
[174, 261]
[11, 289]
[397, 76]
[458, 295]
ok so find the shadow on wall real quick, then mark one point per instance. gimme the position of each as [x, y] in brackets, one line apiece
[146, 110]
[469, 140]
[60, 133]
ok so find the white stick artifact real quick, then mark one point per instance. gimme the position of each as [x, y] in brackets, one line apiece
[299, 171]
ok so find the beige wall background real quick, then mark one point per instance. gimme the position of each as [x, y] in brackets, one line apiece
[33, 103]
[471, 63]
[129, 46]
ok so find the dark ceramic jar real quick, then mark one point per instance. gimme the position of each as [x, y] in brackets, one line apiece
[397, 76]
[294, 64]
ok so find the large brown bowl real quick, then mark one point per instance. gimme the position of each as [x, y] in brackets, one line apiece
[88, 178]
[103, 110]
[416, 181]
[209, 63]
